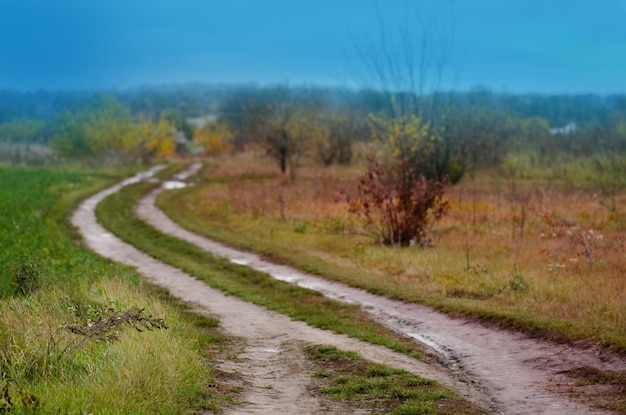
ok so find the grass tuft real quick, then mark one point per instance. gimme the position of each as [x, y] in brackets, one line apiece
[377, 388]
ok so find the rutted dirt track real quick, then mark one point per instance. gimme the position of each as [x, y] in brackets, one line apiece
[502, 371]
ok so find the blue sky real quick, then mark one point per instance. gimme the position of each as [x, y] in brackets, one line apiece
[546, 46]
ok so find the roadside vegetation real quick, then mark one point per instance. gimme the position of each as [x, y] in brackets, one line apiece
[342, 375]
[532, 253]
[507, 208]
[79, 334]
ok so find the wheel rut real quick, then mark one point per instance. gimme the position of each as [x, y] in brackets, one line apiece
[502, 371]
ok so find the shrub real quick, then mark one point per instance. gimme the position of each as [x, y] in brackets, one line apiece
[418, 145]
[26, 277]
[396, 205]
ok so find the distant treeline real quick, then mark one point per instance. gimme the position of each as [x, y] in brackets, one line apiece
[195, 100]
[446, 132]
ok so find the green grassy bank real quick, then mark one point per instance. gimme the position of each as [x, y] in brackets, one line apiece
[60, 351]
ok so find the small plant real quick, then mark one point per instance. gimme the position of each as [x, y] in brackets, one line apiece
[98, 323]
[26, 277]
[14, 399]
[300, 227]
[517, 283]
[329, 353]
[395, 205]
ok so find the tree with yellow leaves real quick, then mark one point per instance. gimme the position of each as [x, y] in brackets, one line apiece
[101, 133]
[153, 139]
[108, 134]
[214, 137]
[414, 144]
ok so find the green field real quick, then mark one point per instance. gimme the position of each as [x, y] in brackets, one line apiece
[49, 283]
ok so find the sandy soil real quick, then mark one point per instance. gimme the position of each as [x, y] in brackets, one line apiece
[502, 371]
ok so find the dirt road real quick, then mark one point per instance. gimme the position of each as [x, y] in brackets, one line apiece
[503, 371]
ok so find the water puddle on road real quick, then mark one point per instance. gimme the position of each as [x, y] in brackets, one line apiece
[168, 185]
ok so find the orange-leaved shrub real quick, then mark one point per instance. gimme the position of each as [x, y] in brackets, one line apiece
[396, 205]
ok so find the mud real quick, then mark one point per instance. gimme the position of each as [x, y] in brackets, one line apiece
[503, 371]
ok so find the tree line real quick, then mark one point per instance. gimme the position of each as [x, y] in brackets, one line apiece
[416, 143]
[450, 133]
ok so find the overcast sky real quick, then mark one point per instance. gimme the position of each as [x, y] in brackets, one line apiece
[546, 46]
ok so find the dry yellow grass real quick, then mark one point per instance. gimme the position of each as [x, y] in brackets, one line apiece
[535, 255]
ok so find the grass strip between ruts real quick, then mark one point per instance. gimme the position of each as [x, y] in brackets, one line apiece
[116, 212]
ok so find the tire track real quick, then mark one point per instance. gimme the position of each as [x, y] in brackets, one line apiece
[271, 355]
[503, 370]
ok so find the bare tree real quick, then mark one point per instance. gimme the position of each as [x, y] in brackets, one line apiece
[343, 126]
[282, 125]
[407, 63]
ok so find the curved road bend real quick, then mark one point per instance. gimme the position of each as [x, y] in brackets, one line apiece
[272, 341]
[516, 372]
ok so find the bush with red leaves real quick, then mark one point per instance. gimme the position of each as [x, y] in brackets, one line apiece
[396, 205]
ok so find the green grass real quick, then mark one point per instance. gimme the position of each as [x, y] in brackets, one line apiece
[377, 388]
[116, 212]
[48, 280]
[35, 249]
[30, 243]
